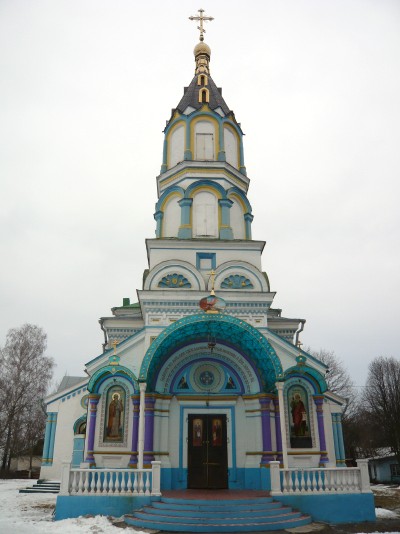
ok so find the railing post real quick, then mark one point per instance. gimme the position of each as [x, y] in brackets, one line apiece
[275, 478]
[365, 485]
[155, 478]
[65, 471]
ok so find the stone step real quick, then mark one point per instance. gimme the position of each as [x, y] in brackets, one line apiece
[202, 515]
[42, 487]
[229, 526]
[255, 500]
[234, 518]
[247, 512]
[203, 506]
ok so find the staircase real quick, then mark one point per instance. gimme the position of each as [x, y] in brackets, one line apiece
[43, 486]
[202, 515]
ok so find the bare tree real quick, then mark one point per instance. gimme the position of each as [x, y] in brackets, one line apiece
[381, 400]
[338, 379]
[25, 374]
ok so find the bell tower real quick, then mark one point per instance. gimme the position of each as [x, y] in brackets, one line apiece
[203, 184]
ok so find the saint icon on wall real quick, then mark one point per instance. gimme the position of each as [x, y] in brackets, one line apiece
[216, 432]
[114, 415]
[300, 435]
[197, 432]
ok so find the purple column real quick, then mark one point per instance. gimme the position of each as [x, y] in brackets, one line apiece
[135, 430]
[93, 401]
[278, 432]
[319, 403]
[265, 403]
[148, 455]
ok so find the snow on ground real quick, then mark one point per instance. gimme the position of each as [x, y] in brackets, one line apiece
[382, 513]
[24, 513]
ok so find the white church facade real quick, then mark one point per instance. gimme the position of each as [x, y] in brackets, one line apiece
[201, 376]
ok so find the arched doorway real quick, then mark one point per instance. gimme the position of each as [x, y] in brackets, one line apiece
[208, 373]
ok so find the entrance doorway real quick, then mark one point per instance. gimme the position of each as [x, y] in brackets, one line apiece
[207, 452]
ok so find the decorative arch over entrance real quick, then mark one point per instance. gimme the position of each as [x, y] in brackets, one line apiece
[225, 330]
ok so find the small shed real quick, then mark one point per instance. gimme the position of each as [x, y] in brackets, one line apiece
[384, 469]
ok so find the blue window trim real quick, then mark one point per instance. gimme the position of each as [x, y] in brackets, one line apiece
[206, 256]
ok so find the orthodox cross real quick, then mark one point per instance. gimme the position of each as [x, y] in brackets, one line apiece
[201, 18]
[114, 344]
[212, 276]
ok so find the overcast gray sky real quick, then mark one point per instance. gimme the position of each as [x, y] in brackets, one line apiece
[85, 90]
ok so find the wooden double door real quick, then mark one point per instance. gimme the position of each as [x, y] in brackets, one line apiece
[207, 451]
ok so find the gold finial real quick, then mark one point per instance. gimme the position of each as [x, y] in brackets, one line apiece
[212, 276]
[299, 344]
[114, 344]
[201, 18]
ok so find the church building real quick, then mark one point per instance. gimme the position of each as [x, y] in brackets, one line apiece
[202, 375]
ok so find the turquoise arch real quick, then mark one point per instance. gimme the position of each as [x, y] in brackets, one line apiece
[205, 183]
[226, 330]
[311, 375]
[167, 192]
[111, 371]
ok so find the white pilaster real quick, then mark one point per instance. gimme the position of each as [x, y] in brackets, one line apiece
[279, 387]
[142, 387]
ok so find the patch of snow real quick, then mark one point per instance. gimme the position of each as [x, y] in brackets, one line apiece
[386, 514]
[32, 513]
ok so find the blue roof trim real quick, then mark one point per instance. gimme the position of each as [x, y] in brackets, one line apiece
[110, 351]
[299, 351]
[65, 392]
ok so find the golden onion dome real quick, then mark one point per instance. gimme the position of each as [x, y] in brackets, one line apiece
[202, 48]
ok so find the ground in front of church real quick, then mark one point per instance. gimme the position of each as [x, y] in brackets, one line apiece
[22, 513]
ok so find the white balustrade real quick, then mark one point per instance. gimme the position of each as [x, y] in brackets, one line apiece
[111, 481]
[314, 481]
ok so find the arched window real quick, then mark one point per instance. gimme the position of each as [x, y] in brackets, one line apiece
[172, 217]
[176, 146]
[205, 215]
[204, 96]
[204, 140]
[237, 220]
[231, 147]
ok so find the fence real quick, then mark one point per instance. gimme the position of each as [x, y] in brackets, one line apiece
[303, 481]
[110, 481]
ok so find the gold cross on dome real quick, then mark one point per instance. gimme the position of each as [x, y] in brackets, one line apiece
[212, 276]
[114, 344]
[299, 344]
[201, 18]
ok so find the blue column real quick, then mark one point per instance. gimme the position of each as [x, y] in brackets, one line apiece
[342, 458]
[185, 229]
[165, 152]
[335, 439]
[159, 215]
[242, 168]
[225, 231]
[221, 152]
[52, 435]
[45, 454]
[248, 219]
[188, 153]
